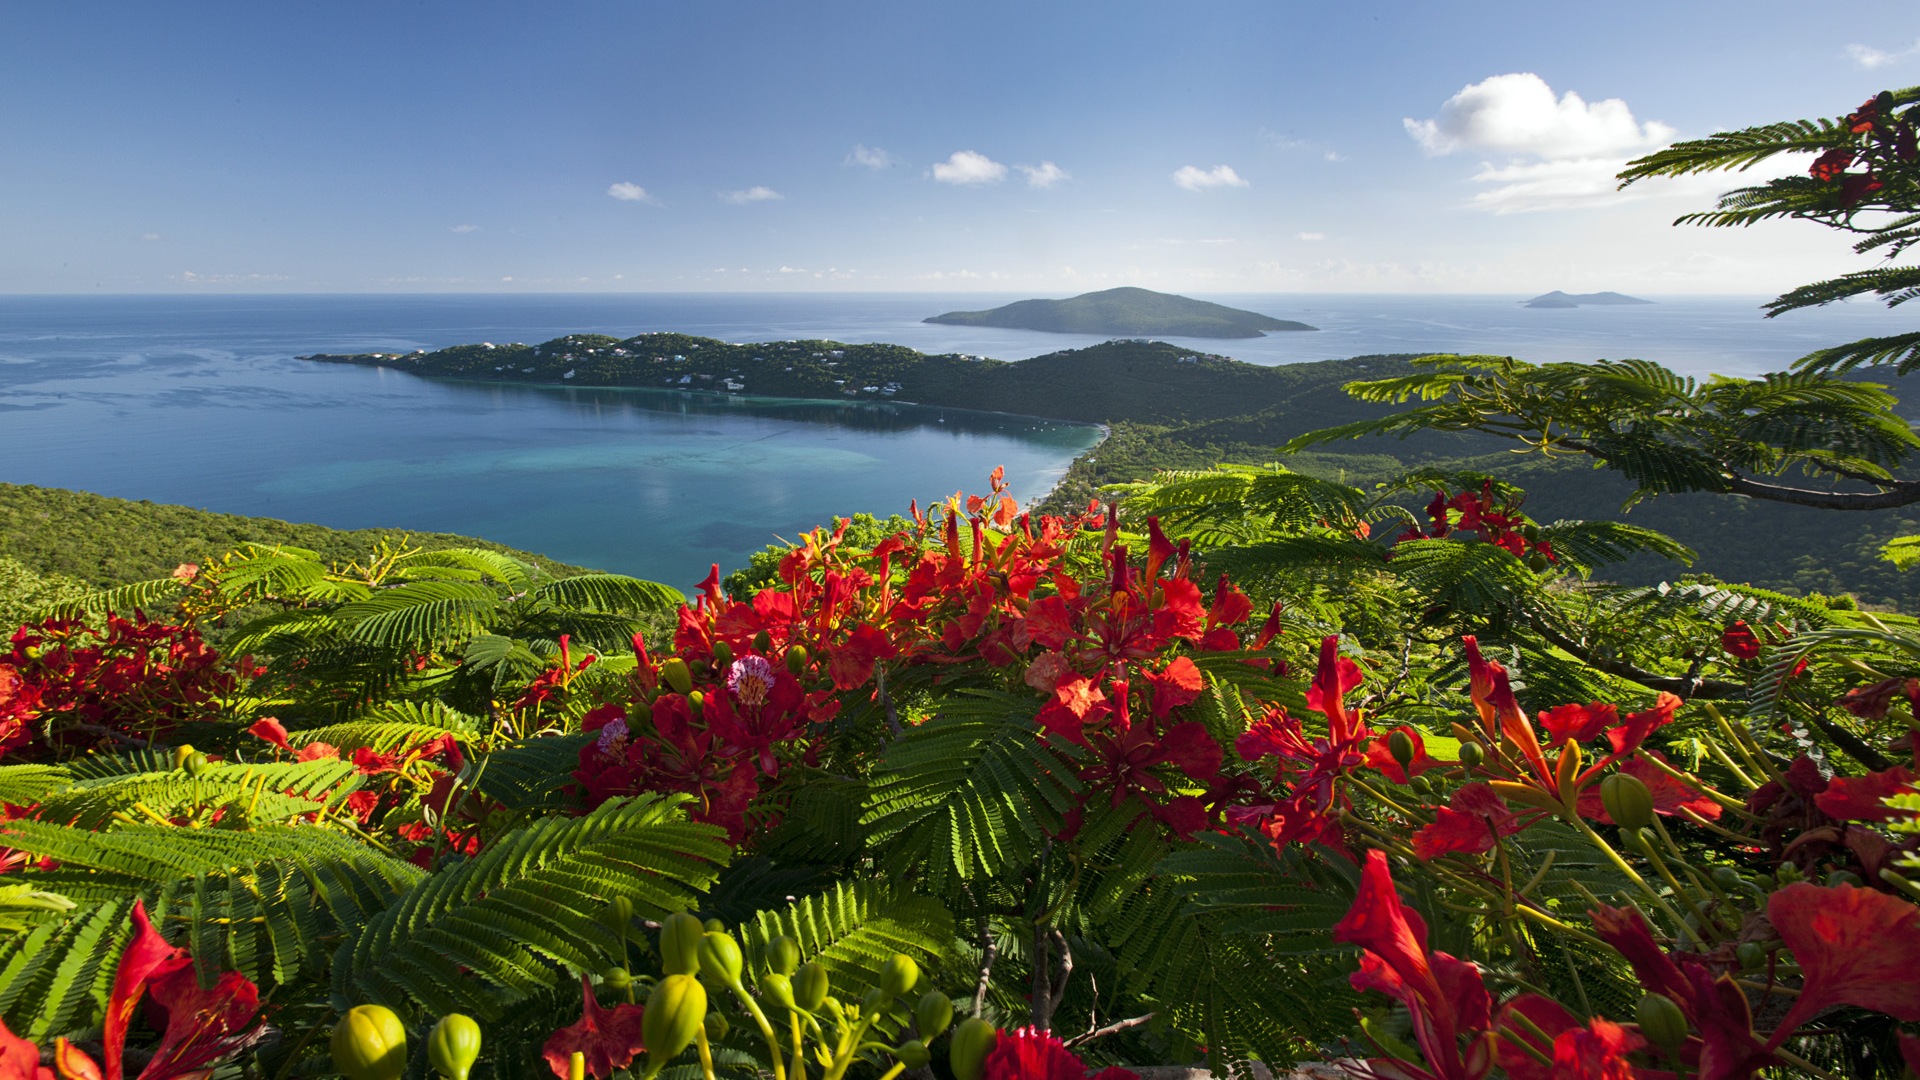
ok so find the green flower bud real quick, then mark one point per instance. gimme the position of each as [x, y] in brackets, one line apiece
[680, 938]
[778, 989]
[369, 1043]
[932, 1014]
[783, 954]
[912, 1053]
[722, 654]
[618, 916]
[180, 755]
[797, 658]
[1661, 1021]
[720, 957]
[696, 701]
[1471, 755]
[1751, 955]
[454, 1046]
[715, 926]
[810, 987]
[717, 1027]
[1627, 801]
[676, 1010]
[762, 641]
[973, 1040]
[1400, 745]
[1727, 877]
[198, 764]
[674, 672]
[616, 978]
[899, 974]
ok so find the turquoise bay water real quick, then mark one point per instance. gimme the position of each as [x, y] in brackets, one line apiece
[198, 400]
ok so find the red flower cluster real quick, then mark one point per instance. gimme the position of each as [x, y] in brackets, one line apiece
[1028, 1053]
[976, 589]
[1880, 142]
[1853, 947]
[133, 681]
[1499, 524]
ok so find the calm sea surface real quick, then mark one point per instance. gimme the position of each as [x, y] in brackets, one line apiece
[197, 400]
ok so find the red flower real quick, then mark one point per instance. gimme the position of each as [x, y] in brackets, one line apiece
[20, 1059]
[1445, 997]
[1739, 640]
[1500, 714]
[608, 1037]
[1864, 798]
[1715, 1006]
[272, 731]
[202, 1026]
[1579, 723]
[1468, 823]
[851, 663]
[1854, 946]
[1027, 1053]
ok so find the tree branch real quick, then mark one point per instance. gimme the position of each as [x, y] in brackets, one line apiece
[1688, 688]
[989, 951]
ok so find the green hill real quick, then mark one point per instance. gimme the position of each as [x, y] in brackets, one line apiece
[102, 541]
[1125, 312]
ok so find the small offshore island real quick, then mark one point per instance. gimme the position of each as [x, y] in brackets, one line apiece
[1558, 299]
[1125, 312]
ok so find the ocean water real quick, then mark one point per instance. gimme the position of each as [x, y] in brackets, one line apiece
[198, 400]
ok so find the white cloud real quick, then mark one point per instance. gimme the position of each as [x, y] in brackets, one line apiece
[1313, 236]
[1564, 151]
[1334, 155]
[466, 228]
[1194, 179]
[756, 193]
[627, 192]
[870, 156]
[1518, 114]
[1044, 175]
[968, 167]
[1871, 58]
[150, 236]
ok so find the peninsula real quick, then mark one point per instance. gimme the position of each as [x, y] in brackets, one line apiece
[1558, 299]
[1126, 312]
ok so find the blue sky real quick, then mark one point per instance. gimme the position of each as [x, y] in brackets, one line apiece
[1214, 146]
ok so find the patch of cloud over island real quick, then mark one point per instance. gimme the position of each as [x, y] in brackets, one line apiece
[1197, 179]
[1312, 236]
[965, 167]
[754, 194]
[1564, 150]
[1044, 175]
[627, 192]
[1872, 59]
[871, 157]
[465, 228]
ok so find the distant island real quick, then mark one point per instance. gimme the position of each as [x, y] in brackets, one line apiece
[1558, 299]
[1125, 312]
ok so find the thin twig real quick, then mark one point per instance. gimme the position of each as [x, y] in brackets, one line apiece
[1114, 1028]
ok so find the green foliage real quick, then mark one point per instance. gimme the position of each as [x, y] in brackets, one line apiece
[26, 594]
[967, 794]
[488, 933]
[853, 928]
